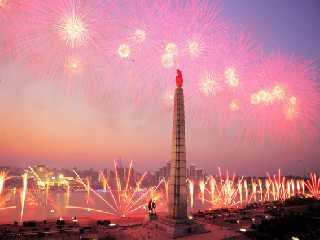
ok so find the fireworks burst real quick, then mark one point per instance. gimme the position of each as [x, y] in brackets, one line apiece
[209, 85]
[234, 192]
[125, 199]
[232, 78]
[230, 82]
[73, 31]
[124, 50]
[140, 35]
[285, 106]
[313, 185]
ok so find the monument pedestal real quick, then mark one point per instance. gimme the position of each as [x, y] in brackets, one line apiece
[150, 217]
[176, 228]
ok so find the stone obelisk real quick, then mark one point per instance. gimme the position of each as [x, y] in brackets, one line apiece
[177, 204]
[177, 223]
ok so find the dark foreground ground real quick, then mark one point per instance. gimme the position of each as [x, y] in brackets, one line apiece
[294, 219]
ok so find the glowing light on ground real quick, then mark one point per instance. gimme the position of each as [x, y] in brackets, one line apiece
[73, 31]
[6, 208]
[124, 50]
[232, 78]
[140, 35]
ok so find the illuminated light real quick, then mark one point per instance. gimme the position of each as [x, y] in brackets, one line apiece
[73, 31]
[112, 224]
[124, 51]
[61, 176]
[171, 49]
[208, 85]
[292, 108]
[52, 210]
[191, 192]
[313, 185]
[3, 176]
[3, 3]
[194, 48]
[234, 105]
[232, 78]
[74, 65]
[294, 238]
[268, 96]
[278, 93]
[255, 99]
[167, 60]
[264, 96]
[202, 187]
[293, 100]
[190, 217]
[242, 230]
[23, 194]
[140, 35]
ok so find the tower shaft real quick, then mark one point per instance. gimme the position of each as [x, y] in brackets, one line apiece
[177, 204]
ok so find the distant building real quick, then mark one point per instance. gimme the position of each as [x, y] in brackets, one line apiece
[199, 174]
[192, 172]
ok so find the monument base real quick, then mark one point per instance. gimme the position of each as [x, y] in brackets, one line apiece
[150, 217]
[177, 228]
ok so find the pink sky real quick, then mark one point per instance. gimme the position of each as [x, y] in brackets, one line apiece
[110, 107]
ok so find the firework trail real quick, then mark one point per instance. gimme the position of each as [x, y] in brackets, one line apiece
[126, 199]
[313, 185]
[3, 177]
[23, 194]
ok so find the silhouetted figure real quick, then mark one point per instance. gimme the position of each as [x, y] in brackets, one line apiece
[152, 207]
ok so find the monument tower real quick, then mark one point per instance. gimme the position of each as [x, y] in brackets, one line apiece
[177, 202]
[177, 223]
